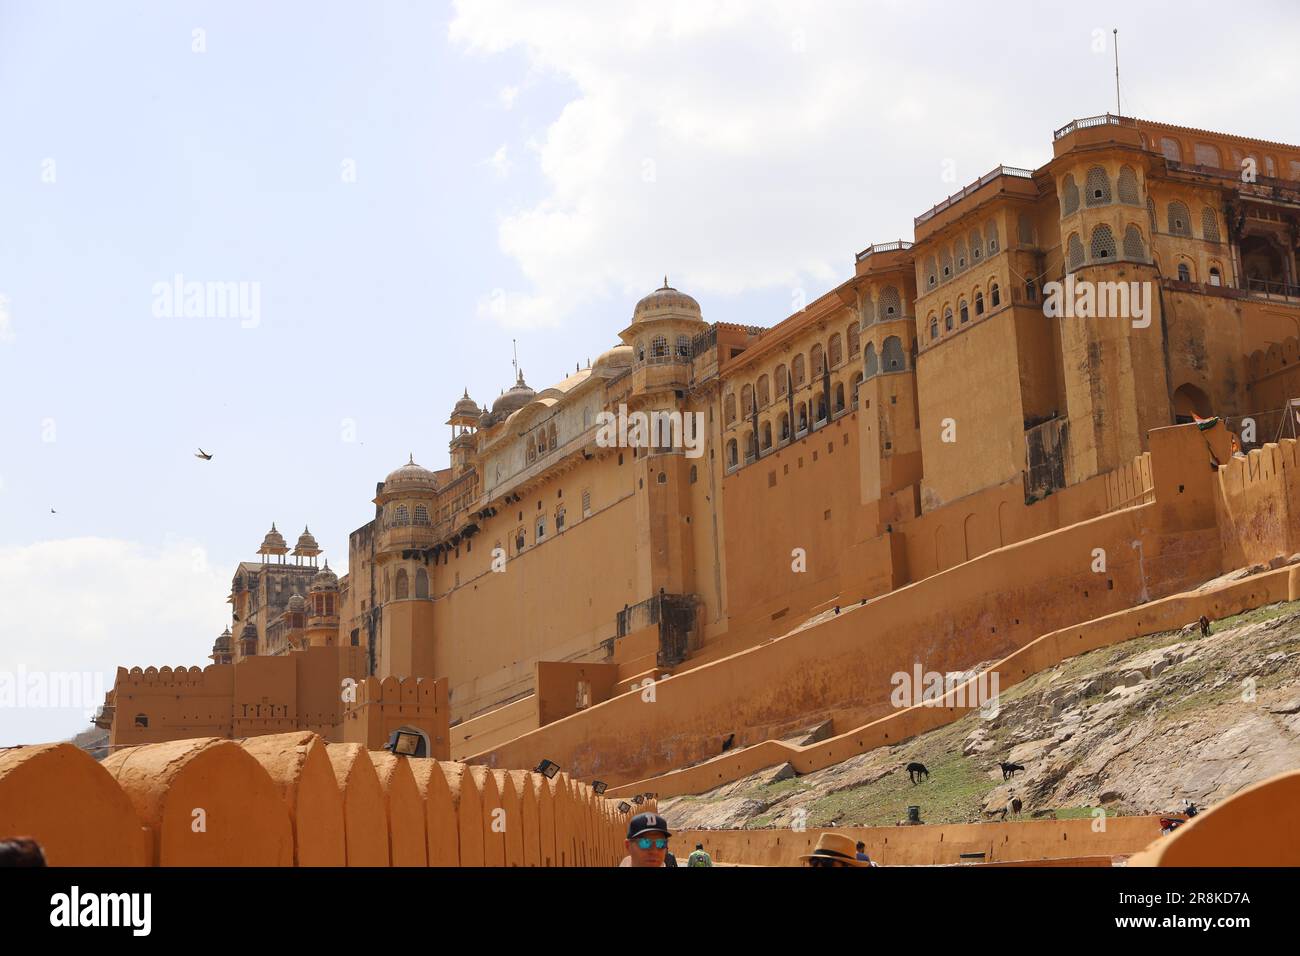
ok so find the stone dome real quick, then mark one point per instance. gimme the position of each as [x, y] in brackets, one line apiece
[411, 476]
[306, 542]
[620, 356]
[223, 641]
[667, 303]
[325, 579]
[297, 604]
[516, 398]
[465, 407]
[249, 632]
[274, 542]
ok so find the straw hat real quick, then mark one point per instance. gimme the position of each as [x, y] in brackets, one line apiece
[837, 847]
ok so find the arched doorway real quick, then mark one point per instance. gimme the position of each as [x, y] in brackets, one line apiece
[1188, 401]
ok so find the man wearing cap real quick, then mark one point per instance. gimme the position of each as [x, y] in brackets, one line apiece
[647, 840]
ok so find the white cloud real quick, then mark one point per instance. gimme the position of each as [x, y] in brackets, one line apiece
[6, 321]
[507, 95]
[499, 161]
[90, 605]
[758, 145]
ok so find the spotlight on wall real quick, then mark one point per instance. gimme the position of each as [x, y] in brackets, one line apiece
[403, 743]
[638, 799]
[599, 787]
[548, 769]
[624, 807]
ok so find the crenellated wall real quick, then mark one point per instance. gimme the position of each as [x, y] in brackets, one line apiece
[292, 799]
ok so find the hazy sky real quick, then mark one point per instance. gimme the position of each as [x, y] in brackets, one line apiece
[403, 187]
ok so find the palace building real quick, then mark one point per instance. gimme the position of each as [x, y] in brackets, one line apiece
[923, 415]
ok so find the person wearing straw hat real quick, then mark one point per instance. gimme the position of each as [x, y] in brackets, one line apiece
[833, 849]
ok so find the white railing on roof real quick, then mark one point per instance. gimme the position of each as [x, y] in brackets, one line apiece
[978, 184]
[894, 246]
[1106, 119]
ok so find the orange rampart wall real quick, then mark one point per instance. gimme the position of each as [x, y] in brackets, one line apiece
[290, 799]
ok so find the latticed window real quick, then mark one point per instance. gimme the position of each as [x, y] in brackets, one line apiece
[729, 408]
[559, 518]
[402, 585]
[818, 357]
[1151, 214]
[401, 516]
[890, 304]
[747, 401]
[421, 515]
[835, 350]
[931, 271]
[868, 310]
[586, 502]
[782, 380]
[1103, 244]
[798, 371]
[855, 340]
[541, 528]
[1209, 225]
[659, 347]
[991, 236]
[1026, 230]
[1069, 196]
[1074, 252]
[1098, 187]
[963, 259]
[976, 246]
[1180, 221]
[1206, 154]
[763, 391]
[1128, 186]
[683, 346]
[945, 263]
[1134, 248]
[1171, 149]
[892, 352]
[870, 364]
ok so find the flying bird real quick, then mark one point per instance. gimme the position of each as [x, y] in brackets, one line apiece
[53, 512]
[202, 454]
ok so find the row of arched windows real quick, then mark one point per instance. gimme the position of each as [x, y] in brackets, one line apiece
[402, 584]
[778, 430]
[400, 516]
[1102, 247]
[1178, 221]
[961, 255]
[758, 395]
[967, 308]
[543, 440]
[888, 308]
[659, 349]
[1097, 189]
[890, 359]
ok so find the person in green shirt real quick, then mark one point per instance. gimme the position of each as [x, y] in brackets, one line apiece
[698, 857]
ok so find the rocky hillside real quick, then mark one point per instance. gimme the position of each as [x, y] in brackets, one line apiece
[1133, 728]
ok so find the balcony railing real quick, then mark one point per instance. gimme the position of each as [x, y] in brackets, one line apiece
[1270, 287]
[973, 187]
[1107, 119]
[895, 246]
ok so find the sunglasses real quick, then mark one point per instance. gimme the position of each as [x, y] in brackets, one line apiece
[825, 861]
[646, 842]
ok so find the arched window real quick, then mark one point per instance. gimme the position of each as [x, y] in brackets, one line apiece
[731, 454]
[559, 518]
[867, 310]
[1206, 154]
[403, 585]
[1180, 222]
[751, 445]
[945, 264]
[934, 327]
[1128, 186]
[857, 382]
[767, 435]
[835, 350]
[1151, 214]
[421, 515]
[1069, 196]
[729, 408]
[1134, 248]
[683, 347]
[947, 319]
[785, 426]
[979, 303]
[520, 540]
[891, 306]
[818, 359]
[1098, 187]
[995, 295]
[855, 340]
[1184, 273]
[659, 347]
[782, 380]
[892, 352]
[763, 392]
[821, 409]
[960, 253]
[1216, 276]
[1074, 252]
[401, 516]
[1031, 290]
[1025, 228]
[747, 401]
[991, 236]
[421, 583]
[963, 311]
[1103, 244]
[1171, 149]
[797, 371]
[976, 246]
[870, 364]
[931, 272]
[803, 416]
[839, 396]
[640, 351]
[1209, 225]
[551, 437]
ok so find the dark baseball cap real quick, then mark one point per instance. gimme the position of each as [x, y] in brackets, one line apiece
[647, 823]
